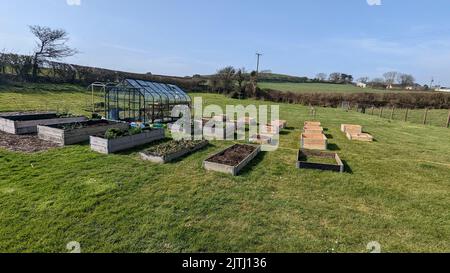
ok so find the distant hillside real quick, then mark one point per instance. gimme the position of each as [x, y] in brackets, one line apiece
[272, 77]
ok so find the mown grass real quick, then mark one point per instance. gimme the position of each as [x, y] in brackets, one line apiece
[395, 191]
[319, 88]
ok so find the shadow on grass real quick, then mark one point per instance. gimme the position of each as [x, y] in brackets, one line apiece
[258, 159]
[347, 168]
[285, 133]
[290, 128]
[329, 136]
[333, 147]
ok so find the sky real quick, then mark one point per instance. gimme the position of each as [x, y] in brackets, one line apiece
[296, 37]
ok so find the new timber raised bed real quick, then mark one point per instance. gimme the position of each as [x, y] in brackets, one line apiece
[233, 159]
[21, 123]
[318, 160]
[104, 145]
[260, 139]
[360, 137]
[313, 129]
[312, 123]
[72, 133]
[313, 141]
[172, 150]
[355, 129]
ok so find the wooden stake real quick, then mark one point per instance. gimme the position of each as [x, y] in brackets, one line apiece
[406, 114]
[425, 116]
[373, 109]
[392, 113]
[381, 112]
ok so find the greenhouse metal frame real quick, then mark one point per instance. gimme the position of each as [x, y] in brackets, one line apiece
[144, 101]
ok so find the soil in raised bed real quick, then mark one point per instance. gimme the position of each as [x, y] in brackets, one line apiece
[80, 125]
[24, 143]
[172, 146]
[233, 155]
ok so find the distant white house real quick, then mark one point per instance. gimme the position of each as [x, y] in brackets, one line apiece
[361, 85]
[442, 89]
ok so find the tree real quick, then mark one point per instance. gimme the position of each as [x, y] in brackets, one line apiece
[226, 77]
[406, 80]
[364, 80]
[390, 77]
[50, 45]
[321, 77]
[335, 77]
[341, 78]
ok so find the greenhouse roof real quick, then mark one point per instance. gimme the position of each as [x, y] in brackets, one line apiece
[159, 91]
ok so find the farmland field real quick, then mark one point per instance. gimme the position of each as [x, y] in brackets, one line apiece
[318, 88]
[395, 191]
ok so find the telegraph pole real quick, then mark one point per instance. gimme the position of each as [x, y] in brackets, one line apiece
[258, 55]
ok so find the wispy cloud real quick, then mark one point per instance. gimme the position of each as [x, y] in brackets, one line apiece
[73, 2]
[374, 2]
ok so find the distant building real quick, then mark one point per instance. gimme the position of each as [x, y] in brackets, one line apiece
[442, 89]
[361, 85]
[409, 88]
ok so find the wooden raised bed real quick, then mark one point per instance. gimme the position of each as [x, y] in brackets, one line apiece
[305, 160]
[163, 159]
[233, 159]
[79, 133]
[313, 130]
[108, 146]
[360, 137]
[261, 139]
[247, 121]
[313, 141]
[312, 123]
[280, 123]
[21, 123]
[355, 129]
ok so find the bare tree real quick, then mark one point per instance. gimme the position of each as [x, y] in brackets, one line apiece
[406, 80]
[241, 77]
[50, 45]
[390, 77]
[364, 80]
[321, 77]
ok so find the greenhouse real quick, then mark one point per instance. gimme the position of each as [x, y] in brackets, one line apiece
[144, 101]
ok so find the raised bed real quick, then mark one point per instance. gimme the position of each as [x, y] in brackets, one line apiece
[233, 159]
[247, 121]
[354, 129]
[313, 130]
[280, 123]
[172, 150]
[261, 139]
[312, 123]
[72, 133]
[21, 123]
[313, 141]
[360, 137]
[317, 160]
[107, 146]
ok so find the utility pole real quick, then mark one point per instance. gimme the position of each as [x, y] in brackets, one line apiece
[258, 55]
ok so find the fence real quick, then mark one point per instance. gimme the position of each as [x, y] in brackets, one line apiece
[435, 117]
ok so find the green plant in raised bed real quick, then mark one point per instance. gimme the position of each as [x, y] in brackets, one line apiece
[135, 131]
[114, 133]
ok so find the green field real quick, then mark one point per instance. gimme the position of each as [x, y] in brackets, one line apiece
[318, 88]
[396, 192]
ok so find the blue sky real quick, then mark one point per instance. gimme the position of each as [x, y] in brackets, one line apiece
[181, 37]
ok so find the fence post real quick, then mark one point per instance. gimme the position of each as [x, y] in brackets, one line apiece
[425, 117]
[373, 109]
[392, 113]
[448, 119]
[406, 114]
[381, 112]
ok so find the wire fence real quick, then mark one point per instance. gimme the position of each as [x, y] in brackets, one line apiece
[434, 117]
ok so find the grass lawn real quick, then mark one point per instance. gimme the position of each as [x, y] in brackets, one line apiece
[396, 192]
[318, 88]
